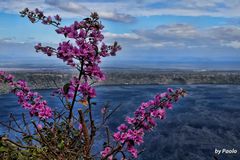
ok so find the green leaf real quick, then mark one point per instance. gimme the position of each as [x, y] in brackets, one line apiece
[61, 145]
[3, 149]
[27, 138]
[66, 88]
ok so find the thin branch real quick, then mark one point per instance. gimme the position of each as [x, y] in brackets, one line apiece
[9, 127]
[85, 132]
[25, 123]
[93, 128]
[113, 111]
[116, 149]
[215, 158]
[43, 139]
[15, 121]
[108, 135]
[19, 145]
[75, 93]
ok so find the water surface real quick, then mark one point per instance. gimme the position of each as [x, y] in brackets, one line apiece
[207, 119]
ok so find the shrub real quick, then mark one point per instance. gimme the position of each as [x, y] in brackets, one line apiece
[61, 134]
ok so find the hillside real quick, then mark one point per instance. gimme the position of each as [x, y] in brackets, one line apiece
[52, 79]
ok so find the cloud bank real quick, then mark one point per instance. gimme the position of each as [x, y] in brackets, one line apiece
[126, 11]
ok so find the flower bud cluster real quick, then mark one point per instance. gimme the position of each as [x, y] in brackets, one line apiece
[37, 15]
[29, 100]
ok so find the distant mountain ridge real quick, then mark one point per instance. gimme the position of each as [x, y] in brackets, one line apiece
[46, 79]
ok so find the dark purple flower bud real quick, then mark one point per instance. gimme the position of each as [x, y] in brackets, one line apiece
[58, 18]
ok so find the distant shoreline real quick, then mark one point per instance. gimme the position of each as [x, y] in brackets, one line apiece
[44, 79]
[68, 69]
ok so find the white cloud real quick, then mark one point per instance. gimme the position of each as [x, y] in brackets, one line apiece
[180, 36]
[163, 36]
[67, 9]
[225, 32]
[132, 36]
[159, 44]
[118, 17]
[179, 30]
[175, 36]
[125, 11]
[232, 44]
[7, 39]
[68, 6]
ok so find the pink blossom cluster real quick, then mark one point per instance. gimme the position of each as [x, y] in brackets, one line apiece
[144, 119]
[85, 89]
[106, 152]
[29, 100]
[85, 40]
[83, 48]
[36, 15]
[69, 89]
[6, 78]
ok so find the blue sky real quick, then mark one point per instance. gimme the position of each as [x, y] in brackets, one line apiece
[151, 32]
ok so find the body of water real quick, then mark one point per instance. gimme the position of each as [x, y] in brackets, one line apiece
[207, 119]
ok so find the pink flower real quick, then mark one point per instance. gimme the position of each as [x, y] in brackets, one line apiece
[151, 121]
[103, 110]
[169, 105]
[170, 90]
[87, 90]
[2, 73]
[38, 47]
[45, 112]
[161, 113]
[39, 127]
[58, 18]
[124, 137]
[133, 151]
[130, 120]
[9, 77]
[80, 127]
[117, 136]
[122, 128]
[105, 152]
[163, 94]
